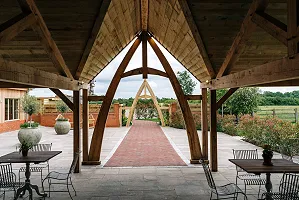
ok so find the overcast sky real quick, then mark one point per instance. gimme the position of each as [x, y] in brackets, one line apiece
[129, 86]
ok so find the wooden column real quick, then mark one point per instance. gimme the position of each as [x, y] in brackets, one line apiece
[98, 133]
[213, 131]
[76, 127]
[292, 27]
[85, 124]
[144, 55]
[204, 122]
[194, 145]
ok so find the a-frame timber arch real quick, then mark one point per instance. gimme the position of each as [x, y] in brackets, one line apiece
[97, 138]
[145, 86]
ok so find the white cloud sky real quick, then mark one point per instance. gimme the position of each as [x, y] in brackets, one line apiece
[129, 86]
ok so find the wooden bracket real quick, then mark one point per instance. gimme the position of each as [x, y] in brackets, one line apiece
[225, 97]
[64, 98]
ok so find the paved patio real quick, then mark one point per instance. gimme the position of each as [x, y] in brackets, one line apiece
[98, 182]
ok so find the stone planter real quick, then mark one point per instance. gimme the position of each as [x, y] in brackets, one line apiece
[30, 135]
[62, 127]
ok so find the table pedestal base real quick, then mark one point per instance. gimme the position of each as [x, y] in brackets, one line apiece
[268, 186]
[21, 191]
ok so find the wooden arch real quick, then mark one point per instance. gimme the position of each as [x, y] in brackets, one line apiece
[97, 138]
[145, 86]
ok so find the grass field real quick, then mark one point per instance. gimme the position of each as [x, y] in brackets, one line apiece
[282, 112]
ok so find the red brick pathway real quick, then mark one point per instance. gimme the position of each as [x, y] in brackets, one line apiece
[145, 145]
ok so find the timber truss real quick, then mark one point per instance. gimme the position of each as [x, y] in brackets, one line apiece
[93, 156]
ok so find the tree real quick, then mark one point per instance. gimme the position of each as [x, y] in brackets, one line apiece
[186, 82]
[243, 101]
[30, 105]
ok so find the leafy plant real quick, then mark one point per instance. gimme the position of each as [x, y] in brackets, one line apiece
[25, 146]
[62, 119]
[31, 125]
[61, 107]
[187, 84]
[30, 105]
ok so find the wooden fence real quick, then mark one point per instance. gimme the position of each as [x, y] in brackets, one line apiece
[285, 114]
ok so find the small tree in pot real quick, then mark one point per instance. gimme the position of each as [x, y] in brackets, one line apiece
[62, 125]
[29, 131]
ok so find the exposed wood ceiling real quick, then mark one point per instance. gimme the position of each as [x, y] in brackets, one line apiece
[71, 23]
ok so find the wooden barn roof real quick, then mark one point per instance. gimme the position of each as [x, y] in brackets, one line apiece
[199, 34]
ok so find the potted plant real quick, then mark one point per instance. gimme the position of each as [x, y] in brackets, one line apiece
[29, 131]
[25, 147]
[267, 155]
[62, 125]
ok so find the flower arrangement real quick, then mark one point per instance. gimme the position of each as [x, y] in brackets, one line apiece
[267, 155]
[25, 147]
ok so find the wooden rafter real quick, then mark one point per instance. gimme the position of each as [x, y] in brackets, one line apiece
[97, 138]
[144, 15]
[93, 35]
[145, 86]
[138, 71]
[144, 55]
[64, 98]
[280, 70]
[22, 74]
[14, 26]
[96, 98]
[225, 97]
[272, 26]
[247, 28]
[45, 37]
[196, 35]
[193, 97]
[194, 145]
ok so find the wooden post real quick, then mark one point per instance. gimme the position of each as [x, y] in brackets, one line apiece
[204, 122]
[85, 124]
[292, 27]
[296, 115]
[76, 130]
[273, 112]
[213, 131]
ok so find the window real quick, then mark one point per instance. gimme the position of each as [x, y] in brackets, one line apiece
[11, 109]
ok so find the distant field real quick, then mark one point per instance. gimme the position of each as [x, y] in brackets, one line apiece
[282, 112]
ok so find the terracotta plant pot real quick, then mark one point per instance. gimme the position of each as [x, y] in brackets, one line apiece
[268, 162]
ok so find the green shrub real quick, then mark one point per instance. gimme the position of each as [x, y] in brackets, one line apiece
[27, 125]
[61, 107]
[227, 124]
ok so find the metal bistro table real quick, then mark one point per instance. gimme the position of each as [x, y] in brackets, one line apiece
[33, 157]
[256, 166]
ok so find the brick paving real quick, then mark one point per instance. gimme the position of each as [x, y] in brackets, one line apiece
[145, 145]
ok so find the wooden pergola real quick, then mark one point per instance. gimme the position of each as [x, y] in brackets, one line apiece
[224, 44]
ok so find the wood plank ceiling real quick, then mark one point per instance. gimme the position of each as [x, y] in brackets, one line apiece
[70, 24]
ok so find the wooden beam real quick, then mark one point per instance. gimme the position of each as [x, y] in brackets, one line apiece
[138, 71]
[96, 98]
[93, 35]
[280, 70]
[193, 97]
[272, 26]
[225, 97]
[64, 98]
[14, 26]
[144, 55]
[85, 124]
[15, 85]
[294, 82]
[213, 132]
[22, 74]
[292, 26]
[46, 39]
[247, 28]
[97, 138]
[204, 123]
[144, 15]
[194, 145]
[197, 37]
[76, 128]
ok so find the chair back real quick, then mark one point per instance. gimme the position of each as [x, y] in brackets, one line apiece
[208, 174]
[6, 175]
[42, 147]
[244, 154]
[289, 187]
[75, 161]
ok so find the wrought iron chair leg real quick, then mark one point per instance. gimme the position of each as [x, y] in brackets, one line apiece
[73, 186]
[211, 195]
[4, 195]
[258, 194]
[67, 185]
[245, 191]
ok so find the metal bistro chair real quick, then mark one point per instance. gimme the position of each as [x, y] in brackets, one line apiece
[38, 167]
[285, 152]
[227, 191]
[288, 188]
[63, 178]
[8, 180]
[249, 179]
